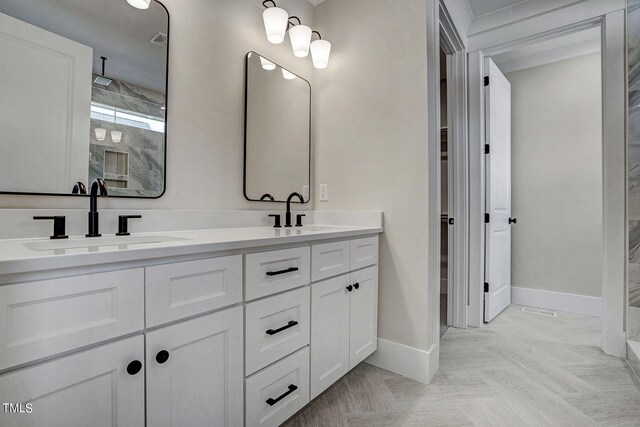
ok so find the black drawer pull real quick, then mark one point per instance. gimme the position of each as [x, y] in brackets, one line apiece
[272, 402]
[350, 288]
[356, 285]
[162, 356]
[277, 273]
[291, 324]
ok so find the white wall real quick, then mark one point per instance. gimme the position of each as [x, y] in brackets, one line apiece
[371, 143]
[556, 176]
[208, 43]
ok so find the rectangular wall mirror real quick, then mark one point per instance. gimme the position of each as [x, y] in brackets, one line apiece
[83, 86]
[277, 132]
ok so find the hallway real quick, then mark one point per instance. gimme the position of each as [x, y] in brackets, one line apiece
[523, 369]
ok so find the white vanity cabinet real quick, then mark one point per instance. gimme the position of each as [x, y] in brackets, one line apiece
[344, 319]
[194, 372]
[242, 337]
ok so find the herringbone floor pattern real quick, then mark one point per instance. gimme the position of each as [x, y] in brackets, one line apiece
[521, 370]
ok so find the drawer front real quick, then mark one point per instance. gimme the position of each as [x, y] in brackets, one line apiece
[270, 272]
[276, 327]
[183, 289]
[364, 252]
[279, 391]
[330, 259]
[47, 317]
[87, 388]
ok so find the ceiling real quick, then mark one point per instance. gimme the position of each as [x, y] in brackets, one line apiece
[112, 28]
[485, 7]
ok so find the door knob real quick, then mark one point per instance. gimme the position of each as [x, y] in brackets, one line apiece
[513, 220]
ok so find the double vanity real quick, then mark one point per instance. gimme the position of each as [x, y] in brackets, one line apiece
[228, 326]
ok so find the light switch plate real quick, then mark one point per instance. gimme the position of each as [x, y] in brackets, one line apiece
[324, 193]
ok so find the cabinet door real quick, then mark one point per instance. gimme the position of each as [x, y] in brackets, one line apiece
[329, 332]
[363, 320]
[194, 372]
[88, 388]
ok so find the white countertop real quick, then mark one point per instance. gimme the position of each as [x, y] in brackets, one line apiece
[37, 254]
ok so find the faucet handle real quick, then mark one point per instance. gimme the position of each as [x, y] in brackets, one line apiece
[277, 220]
[299, 220]
[123, 224]
[58, 226]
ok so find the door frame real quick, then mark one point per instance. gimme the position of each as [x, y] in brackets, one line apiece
[611, 20]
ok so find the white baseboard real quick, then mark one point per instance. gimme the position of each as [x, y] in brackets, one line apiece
[410, 362]
[633, 356]
[569, 303]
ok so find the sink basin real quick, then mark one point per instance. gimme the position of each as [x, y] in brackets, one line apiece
[97, 242]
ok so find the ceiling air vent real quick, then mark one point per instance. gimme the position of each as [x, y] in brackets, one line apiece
[159, 39]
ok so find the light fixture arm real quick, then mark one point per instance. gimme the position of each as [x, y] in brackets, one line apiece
[264, 3]
[315, 32]
[291, 24]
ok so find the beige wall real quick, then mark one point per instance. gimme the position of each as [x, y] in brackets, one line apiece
[208, 43]
[371, 143]
[556, 176]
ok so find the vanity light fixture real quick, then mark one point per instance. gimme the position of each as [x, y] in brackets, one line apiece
[101, 134]
[276, 22]
[116, 136]
[300, 36]
[320, 51]
[139, 4]
[288, 75]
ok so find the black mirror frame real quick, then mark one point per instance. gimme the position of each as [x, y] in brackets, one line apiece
[166, 104]
[246, 86]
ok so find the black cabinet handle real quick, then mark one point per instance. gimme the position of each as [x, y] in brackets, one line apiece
[162, 356]
[356, 285]
[271, 401]
[279, 272]
[350, 288]
[291, 324]
[513, 220]
[134, 367]
[451, 221]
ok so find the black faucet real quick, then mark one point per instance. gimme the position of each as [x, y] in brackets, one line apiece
[98, 184]
[287, 216]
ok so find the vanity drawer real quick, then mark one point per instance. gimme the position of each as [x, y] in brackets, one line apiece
[48, 317]
[364, 252]
[183, 289]
[270, 272]
[330, 259]
[276, 327]
[279, 391]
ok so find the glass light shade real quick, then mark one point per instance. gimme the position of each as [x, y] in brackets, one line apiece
[101, 134]
[267, 65]
[276, 21]
[320, 50]
[300, 36]
[288, 75]
[116, 136]
[139, 4]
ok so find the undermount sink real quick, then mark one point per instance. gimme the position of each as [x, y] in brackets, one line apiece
[97, 242]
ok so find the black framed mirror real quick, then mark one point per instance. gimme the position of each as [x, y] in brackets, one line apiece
[84, 96]
[277, 150]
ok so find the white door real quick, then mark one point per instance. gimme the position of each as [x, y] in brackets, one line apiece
[329, 332]
[363, 315]
[45, 82]
[103, 386]
[195, 373]
[497, 274]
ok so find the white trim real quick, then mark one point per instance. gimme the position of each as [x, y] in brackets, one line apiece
[568, 303]
[633, 356]
[410, 362]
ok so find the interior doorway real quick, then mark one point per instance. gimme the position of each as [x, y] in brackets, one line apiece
[446, 220]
